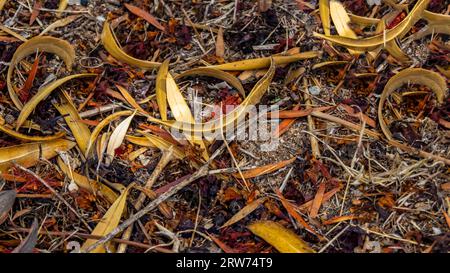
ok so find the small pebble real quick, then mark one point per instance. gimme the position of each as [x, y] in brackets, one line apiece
[314, 90]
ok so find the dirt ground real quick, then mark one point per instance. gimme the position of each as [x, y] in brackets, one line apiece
[377, 196]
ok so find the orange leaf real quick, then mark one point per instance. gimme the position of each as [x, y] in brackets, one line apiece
[24, 93]
[339, 219]
[145, 15]
[317, 202]
[299, 113]
[291, 210]
[264, 169]
[222, 245]
[325, 198]
[447, 218]
[35, 13]
[285, 124]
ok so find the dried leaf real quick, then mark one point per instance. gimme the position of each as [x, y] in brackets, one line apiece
[429, 78]
[7, 199]
[259, 63]
[26, 138]
[41, 43]
[161, 93]
[90, 185]
[117, 137]
[145, 15]
[141, 141]
[113, 48]
[29, 154]
[24, 92]
[35, 13]
[324, 9]
[79, 130]
[215, 73]
[59, 23]
[42, 94]
[2, 4]
[130, 99]
[164, 145]
[339, 219]
[62, 5]
[284, 240]
[28, 244]
[244, 212]
[220, 44]
[264, 169]
[371, 42]
[341, 22]
[110, 220]
[94, 135]
[317, 202]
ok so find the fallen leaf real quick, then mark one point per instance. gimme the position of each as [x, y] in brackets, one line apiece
[117, 137]
[244, 212]
[28, 244]
[145, 15]
[264, 169]
[7, 199]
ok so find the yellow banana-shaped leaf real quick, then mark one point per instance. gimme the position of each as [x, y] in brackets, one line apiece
[141, 141]
[80, 131]
[42, 94]
[117, 137]
[371, 42]
[258, 63]
[94, 135]
[283, 239]
[341, 22]
[324, 9]
[110, 220]
[420, 76]
[41, 43]
[161, 93]
[113, 48]
[29, 154]
[27, 138]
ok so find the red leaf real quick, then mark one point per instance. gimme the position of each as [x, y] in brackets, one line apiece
[35, 13]
[145, 15]
[24, 93]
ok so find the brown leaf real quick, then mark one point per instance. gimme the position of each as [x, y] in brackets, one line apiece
[264, 169]
[317, 201]
[36, 9]
[27, 245]
[220, 45]
[145, 15]
[244, 212]
[264, 5]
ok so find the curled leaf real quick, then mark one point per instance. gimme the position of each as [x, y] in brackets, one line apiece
[284, 240]
[259, 63]
[113, 48]
[41, 43]
[79, 130]
[29, 154]
[161, 93]
[24, 137]
[421, 76]
[215, 73]
[41, 95]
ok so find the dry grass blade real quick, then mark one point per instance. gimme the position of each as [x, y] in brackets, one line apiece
[244, 212]
[41, 43]
[284, 240]
[29, 154]
[79, 130]
[43, 93]
[117, 137]
[113, 48]
[7, 199]
[110, 221]
[161, 93]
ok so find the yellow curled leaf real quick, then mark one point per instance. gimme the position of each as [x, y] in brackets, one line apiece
[117, 137]
[283, 239]
[90, 185]
[420, 76]
[371, 42]
[363, 21]
[161, 94]
[80, 131]
[181, 111]
[341, 22]
[328, 63]
[27, 155]
[258, 63]
[215, 73]
[110, 221]
[41, 95]
[113, 48]
[141, 141]
[443, 71]
[94, 135]
[436, 18]
[59, 23]
[24, 137]
[41, 43]
[430, 29]
[396, 52]
[324, 9]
